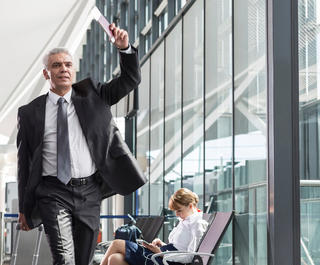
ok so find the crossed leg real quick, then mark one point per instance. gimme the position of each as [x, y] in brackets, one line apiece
[115, 253]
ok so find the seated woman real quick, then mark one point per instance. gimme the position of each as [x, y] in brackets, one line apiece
[184, 237]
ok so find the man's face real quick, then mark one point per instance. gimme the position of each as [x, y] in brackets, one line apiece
[60, 71]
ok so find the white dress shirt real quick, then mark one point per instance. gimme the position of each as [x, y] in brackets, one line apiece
[187, 235]
[82, 164]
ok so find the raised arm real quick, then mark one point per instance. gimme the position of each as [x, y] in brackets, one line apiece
[128, 80]
[130, 75]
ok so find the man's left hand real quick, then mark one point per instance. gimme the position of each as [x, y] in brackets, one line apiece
[121, 37]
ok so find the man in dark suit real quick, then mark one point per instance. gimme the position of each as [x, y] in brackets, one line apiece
[71, 155]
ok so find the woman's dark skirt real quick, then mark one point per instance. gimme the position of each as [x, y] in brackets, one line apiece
[139, 255]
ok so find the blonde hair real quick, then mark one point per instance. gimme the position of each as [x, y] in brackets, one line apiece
[183, 197]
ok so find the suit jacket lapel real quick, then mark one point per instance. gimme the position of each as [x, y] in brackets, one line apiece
[40, 114]
[80, 110]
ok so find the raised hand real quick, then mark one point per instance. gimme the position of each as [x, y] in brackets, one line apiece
[121, 37]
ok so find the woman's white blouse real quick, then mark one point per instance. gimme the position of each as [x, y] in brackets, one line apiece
[187, 234]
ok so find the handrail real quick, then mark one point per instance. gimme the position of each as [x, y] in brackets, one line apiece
[310, 183]
[15, 215]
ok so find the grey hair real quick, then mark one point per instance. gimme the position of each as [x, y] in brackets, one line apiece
[45, 59]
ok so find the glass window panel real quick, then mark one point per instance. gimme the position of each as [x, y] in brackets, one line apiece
[183, 2]
[218, 114]
[173, 112]
[142, 202]
[177, 5]
[148, 41]
[250, 129]
[156, 130]
[193, 100]
[163, 20]
[148, 11]
[218, 133]
[309, 108]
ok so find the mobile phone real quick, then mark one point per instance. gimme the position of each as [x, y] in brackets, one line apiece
[140, 241]
[103, 22]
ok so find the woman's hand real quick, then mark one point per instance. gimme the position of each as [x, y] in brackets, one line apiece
[121, 37]
[157, 242]
[152, 248]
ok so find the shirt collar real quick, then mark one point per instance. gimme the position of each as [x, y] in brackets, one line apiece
[53, 97]
[192, 218]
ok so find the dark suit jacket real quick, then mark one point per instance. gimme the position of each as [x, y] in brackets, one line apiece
[118, 169]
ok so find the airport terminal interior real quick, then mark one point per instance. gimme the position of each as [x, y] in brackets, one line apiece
[227, 107]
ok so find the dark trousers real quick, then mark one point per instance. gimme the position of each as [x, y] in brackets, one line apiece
[71, 218]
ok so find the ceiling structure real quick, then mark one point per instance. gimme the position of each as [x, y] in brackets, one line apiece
[28, 30]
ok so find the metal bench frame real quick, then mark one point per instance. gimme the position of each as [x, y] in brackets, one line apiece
[208, 244]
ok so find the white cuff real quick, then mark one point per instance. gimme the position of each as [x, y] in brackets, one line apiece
[127, 51]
